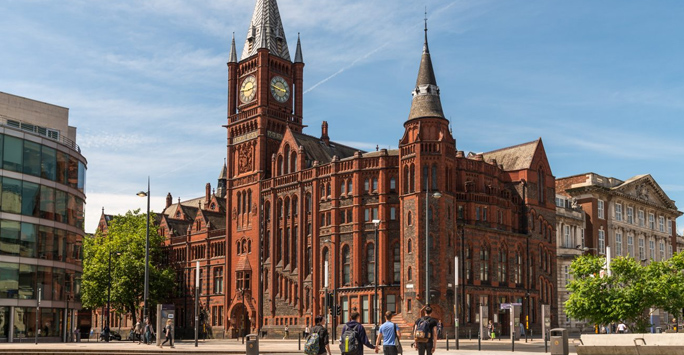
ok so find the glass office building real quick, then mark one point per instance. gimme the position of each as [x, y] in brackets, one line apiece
[42, 184]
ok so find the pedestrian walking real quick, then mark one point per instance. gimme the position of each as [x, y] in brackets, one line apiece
[287, 332]
[390, 336]
[354, 337]
[168, 333]
[318, 342]
[306, 331]
[425, 333]
[149, 332]
[490, 330]
[139, 332]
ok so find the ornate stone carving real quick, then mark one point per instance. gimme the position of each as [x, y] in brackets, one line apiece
[245, 158]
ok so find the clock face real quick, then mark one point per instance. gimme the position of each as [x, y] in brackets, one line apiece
[280, 89]
[248, 89]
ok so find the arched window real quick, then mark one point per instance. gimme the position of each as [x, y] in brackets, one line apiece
[370, 261]
[342, 186]
[249, 201]
[349, 187]
[286, 164]
[239, 203]
[366, 185]
[393, 184]
[375, 184]
[326, 260]
[409, 218]
[409, 274]
[328, 189]
[397, 264]
[346, 266]
[434, 176]
[426, 177]
[412, 178]
[309, 261]
[409, 246]
[406, 179]
[293, 162]
[279, 163]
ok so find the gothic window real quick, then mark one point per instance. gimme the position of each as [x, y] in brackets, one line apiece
[266, 244]
[242, 280]
[308, 203]
[294, 206]
[295, 238]
[326, 260]
[434, 176]
[366, 185]
[375, 184]
[412, 178]
[397, 264]
[342, 186]
[393, 184]
[218, 280]
[346, 266]
[409, 219]
[370, 261]
[249, 201]
[406, 179]
[409, 274]
[328, 189]
[239, 202]
[349, 187]
[425, 177]
[286, 204]
[280, 165]
[293, 162]
[541, 186]
[309, 261]
[286, 164]
[409, 246]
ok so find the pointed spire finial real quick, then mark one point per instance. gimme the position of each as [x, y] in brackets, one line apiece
[425, 44]
[298, 53]
[266, 19]
[233, 52]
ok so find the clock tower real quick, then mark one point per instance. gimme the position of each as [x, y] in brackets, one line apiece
[264, 100]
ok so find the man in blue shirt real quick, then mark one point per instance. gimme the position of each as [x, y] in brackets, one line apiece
[390, 335]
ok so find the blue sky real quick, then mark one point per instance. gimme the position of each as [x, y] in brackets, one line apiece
[145, 81]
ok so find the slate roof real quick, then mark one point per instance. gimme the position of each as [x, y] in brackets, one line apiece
[316, 149]
[266, 31]
[216, 220]
[426, 101]
[517, 157]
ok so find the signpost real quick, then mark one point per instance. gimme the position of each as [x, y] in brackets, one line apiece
[546, 316]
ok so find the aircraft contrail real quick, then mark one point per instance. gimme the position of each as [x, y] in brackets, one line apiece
[342, 70]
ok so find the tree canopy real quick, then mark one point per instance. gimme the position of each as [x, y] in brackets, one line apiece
[124, 243]
[628, 293]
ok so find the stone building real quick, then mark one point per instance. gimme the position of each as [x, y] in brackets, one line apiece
[634, 217]
[42, 183]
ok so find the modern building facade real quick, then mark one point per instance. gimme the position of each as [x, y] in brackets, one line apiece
[294, 204]
[633, 218]
[42, 181]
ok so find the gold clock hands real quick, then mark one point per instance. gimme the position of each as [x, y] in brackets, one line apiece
[278, 88]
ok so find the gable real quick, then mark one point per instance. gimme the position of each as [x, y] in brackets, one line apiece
[646, 189]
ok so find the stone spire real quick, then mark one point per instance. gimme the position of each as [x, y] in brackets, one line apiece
[233, 52]
[266, 31]
[298, 53]
[426, 101]
[222, 181]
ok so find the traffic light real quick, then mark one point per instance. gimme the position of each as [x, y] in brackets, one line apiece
[338, 310]
[330, 310]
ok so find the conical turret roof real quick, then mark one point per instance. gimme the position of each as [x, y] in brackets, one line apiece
[266, 31]
[426, 101]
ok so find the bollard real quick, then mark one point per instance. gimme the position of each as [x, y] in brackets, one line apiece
[299, 341]
[479, 341]
[513, 341]
[546, 349]
[470, 334]
[446, 335]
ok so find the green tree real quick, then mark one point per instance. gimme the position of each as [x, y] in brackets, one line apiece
[628, 293]
[125, 244]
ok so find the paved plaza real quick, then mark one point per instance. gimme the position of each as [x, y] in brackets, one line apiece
[266, 346]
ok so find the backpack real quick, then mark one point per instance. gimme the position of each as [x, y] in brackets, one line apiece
[422, 333]
[313, 344]
[349, 343]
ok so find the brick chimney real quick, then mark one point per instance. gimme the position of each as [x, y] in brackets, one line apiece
[324, 133]
[169, 200]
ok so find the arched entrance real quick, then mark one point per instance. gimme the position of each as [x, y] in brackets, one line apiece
[239, 320]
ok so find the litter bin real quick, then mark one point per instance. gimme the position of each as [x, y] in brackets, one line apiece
[559, 341]
[252, 341]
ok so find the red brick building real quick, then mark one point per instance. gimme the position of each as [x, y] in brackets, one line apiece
[292, 203]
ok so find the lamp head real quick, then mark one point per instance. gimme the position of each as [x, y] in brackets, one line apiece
[376, 222]
[142, 194]
[437, 195]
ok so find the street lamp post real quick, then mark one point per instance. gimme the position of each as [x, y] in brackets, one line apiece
[147, 249]
[375, 271]
[436, 195]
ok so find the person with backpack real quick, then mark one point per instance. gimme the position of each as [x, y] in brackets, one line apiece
[168, 333]
[425, 333]
[354, 337]
[318, 342]
[390, 335]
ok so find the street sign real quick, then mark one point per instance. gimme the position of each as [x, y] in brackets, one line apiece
[508, 305]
